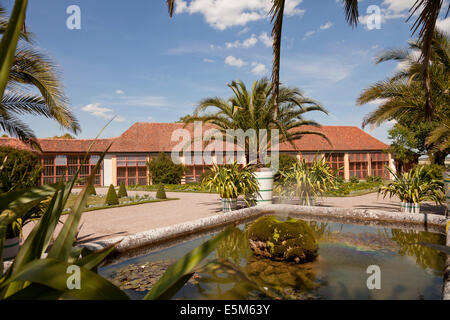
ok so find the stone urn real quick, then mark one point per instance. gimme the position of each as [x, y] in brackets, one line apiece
[409, 207]
[264, 177]
[10, 248]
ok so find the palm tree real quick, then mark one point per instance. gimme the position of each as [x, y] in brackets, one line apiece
[403, 95]
[255, 110]
[31, 68]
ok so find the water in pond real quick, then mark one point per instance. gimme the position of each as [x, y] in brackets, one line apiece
[408, 271]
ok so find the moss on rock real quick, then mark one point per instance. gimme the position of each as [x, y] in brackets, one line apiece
[291, 240]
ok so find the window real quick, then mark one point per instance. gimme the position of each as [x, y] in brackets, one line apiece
[63, 167]
[378, 162]
[358, 165]
[132, 170]
[336, 161]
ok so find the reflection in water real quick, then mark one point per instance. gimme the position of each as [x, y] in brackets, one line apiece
[426, 257]
[345, 252]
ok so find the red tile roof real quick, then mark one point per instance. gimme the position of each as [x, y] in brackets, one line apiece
[156, 137]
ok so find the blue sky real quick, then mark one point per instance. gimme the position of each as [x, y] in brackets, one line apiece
[131, 60]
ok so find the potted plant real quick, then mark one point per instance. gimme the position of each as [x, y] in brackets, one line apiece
[11, 245]
[307, 181]
[231, 181]
[412, 188]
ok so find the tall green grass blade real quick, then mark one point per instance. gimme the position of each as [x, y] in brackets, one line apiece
[177, 273]
[53, 273]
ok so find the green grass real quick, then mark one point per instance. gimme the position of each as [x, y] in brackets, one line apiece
[100, 200]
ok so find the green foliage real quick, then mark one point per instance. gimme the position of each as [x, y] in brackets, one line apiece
[435, 171]
[285, 163]
[414, 186]
[111, 196]
[91, 190]
[231, 181]
[20, 169]
[161, 193]
[354, 179]
[307, 181]
[163, 170]
[348, 188]
[122, 191]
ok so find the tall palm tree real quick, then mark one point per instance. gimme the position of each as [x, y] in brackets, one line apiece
[403, 95]
[32, 70]
[254, 110]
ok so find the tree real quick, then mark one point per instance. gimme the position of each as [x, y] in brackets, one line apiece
[255, 110]
[403, 96]
[32, 68]
[163, 170]
[64, 136]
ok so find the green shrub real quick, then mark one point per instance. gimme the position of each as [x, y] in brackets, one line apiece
[163, 170]
[286, 162]
[377, 179]
[21, 169]
[340, 179]
[91, 190]
[111, 196]
[434, 171]
[161, 193]
[369, 179]
[354, 179]
[122, 191]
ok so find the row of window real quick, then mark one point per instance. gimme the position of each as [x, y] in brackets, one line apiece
[62, 168]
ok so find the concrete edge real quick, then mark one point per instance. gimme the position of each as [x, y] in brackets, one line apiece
[446, 287]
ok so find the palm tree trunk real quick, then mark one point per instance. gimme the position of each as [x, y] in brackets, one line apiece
[277, 12]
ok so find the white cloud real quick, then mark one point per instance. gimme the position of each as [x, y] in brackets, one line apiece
[143, 101]
[208, 60]
[265, 39]
[444, 25]
[235, 62]
[222, 14]
[119, 91]
[326, 26]
[323, 27]
[259, 68]
[247, 43]
[101, 112]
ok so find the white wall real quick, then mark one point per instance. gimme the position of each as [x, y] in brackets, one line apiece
[107, 170]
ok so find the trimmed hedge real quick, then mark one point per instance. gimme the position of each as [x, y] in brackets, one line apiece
[111, 197]
[122, 191]
[91, 190]
[161, 193]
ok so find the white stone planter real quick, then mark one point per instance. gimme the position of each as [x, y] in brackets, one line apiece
[11, 248]
[264, 177]
[447, 189]
[410, 207]
[229, 204]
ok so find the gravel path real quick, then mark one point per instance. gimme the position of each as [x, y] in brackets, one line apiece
[107, 223]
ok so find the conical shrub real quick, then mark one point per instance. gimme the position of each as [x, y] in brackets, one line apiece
[122, 191]
[91, 190]
[111, 196]
[161, 193]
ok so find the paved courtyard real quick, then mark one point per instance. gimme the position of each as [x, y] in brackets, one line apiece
[122, 221]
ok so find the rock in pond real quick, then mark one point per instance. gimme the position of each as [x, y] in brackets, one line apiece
[291, 240]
